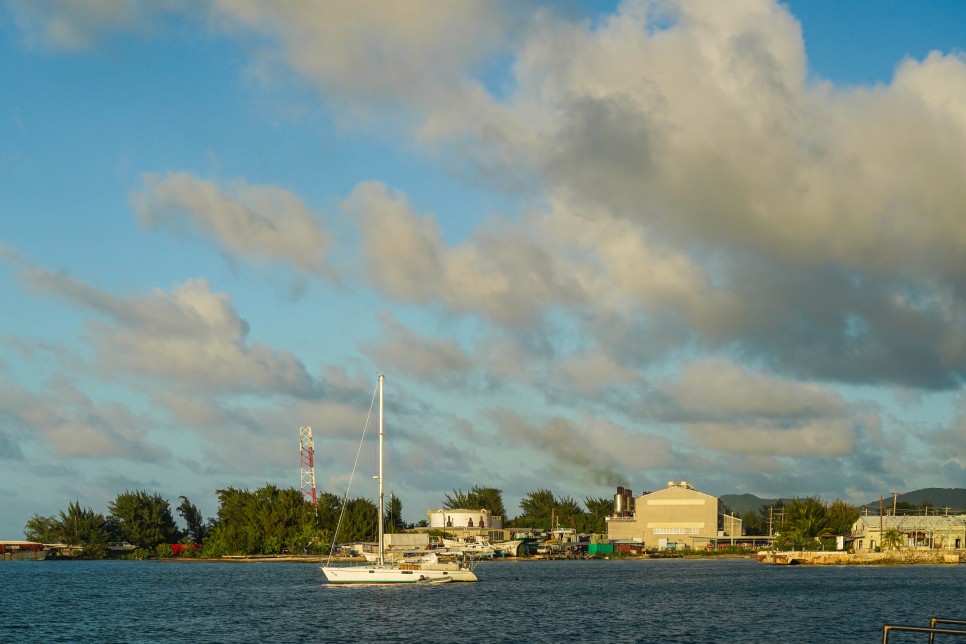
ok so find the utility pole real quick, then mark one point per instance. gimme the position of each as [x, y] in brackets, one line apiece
[880, 522]
[895, 498]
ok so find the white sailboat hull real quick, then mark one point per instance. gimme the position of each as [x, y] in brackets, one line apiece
[394, 574]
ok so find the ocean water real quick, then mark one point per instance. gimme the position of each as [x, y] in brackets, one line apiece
[676, 600]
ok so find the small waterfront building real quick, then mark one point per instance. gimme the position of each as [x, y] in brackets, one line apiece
[676, 517]
[19, 550]
[947, 532]
[460, 518]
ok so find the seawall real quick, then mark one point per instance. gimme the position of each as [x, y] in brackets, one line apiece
[836, 558]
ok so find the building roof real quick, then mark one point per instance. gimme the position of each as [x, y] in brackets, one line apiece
[913, 522]
[673, 487]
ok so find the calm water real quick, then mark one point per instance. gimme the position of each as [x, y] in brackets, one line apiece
[676, 600]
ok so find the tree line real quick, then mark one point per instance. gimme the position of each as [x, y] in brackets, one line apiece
[273, 520]
[802, 524]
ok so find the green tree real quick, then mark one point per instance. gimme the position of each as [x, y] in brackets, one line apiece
[568, 513]
[840, 517]
[537, 508]
[267, 520]
[359, 521]
[311, 540]
[327, 510]
[393, 519]
[902, 507]
[194, 522]
[458, 500]
[891, 539]
[281, 514]
[598, 509]
[144, 519]
[751, 521]
[805, 520]
[83, 526]
[235, 530]
[43, 529]
[487, 498]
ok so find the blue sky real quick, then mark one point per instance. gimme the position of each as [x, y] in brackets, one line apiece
[588, 244]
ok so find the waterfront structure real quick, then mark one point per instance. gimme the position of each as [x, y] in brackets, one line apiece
[676, 517]
[946, 532]
[20, 550]
[458, 518]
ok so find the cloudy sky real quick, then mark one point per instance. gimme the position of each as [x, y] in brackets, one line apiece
[589, 244]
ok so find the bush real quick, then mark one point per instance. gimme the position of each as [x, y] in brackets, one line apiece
[94, 551]
[165, 551]
[272, 546]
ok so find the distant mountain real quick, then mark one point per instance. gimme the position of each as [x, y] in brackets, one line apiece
[953, 498]
[741, 503]
[940, 497]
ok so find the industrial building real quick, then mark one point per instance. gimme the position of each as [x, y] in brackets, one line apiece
[676, 517]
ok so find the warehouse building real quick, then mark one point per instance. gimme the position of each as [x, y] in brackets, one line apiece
[676, 517]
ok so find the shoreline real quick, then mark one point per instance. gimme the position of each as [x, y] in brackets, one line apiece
[887, 558]
[812, 558]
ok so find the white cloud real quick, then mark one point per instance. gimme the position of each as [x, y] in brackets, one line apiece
[506, 276]
[592, 371]
[70, 424]
[817, 438]
[78, 24]
[405, 351]
[706, 132]
[371, 52]
[262, 223]
[190, 338]
[723, 389]
[727, 408]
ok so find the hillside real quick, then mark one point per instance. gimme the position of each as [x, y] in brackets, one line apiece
[741, 503]
[941, 497]
[953, 498]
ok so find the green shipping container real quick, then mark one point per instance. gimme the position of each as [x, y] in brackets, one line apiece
[600, 549]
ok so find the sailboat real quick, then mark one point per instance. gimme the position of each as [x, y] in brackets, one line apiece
[421, 570]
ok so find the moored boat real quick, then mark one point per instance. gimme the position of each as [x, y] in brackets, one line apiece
[383, 571]
[476, 546]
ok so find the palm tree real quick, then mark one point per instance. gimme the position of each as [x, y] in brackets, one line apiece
[892, 539]
[805, 520]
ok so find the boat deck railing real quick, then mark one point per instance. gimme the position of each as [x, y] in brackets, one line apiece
[932, 630]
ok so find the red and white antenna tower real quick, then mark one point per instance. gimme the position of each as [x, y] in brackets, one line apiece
[307, 460]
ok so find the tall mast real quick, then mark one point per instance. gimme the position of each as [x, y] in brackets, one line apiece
[381, 528]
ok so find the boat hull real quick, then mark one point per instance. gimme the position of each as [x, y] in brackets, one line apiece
[393, 575]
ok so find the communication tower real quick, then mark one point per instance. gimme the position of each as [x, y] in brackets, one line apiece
[307, 460]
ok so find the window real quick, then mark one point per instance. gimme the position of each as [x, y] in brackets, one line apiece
[677, 530]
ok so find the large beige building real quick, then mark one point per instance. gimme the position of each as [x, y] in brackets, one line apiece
[674, 517]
